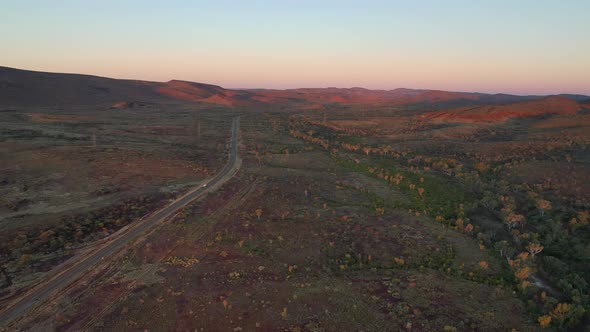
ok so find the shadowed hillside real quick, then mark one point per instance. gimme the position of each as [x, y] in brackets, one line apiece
[22, 87]
[31, 88]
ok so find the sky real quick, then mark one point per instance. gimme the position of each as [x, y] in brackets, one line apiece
[510, 46]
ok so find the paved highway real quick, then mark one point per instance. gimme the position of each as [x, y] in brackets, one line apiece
[44, 292]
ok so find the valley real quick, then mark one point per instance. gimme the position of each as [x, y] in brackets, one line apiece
[352, 209]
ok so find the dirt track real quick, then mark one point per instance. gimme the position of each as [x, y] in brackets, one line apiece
[44, 292]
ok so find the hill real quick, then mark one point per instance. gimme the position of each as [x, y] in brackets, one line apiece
[498, 113]
[31, 88]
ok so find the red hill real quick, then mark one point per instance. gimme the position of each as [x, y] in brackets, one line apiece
[22, 87]
[365, 96]
[499, 113]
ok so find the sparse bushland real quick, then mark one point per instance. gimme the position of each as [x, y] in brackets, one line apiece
[37, 250]
[76, 174]
[541, 233]
[298, 241]
[326, 228]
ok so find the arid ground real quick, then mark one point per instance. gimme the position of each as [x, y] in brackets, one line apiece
[353, 210]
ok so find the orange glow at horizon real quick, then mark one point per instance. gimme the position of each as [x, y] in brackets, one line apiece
[524, 47]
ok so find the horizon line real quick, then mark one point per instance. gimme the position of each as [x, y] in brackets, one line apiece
[297, 88]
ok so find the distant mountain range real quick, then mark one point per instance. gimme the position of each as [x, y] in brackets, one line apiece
[31, 88]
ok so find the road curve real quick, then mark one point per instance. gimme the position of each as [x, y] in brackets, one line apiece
[44, 291]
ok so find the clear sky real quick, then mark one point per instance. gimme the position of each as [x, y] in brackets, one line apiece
[513, 46]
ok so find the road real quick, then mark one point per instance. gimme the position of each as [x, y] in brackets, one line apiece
[120, 240]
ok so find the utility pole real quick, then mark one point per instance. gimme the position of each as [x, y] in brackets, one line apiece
[197, 127]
